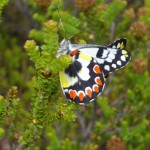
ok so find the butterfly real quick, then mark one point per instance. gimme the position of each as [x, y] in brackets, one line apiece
[84, 79]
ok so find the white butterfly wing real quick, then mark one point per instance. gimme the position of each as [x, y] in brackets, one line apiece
[110, 58]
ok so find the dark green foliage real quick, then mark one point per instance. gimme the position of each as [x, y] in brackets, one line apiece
[2, 4]
[34, 113]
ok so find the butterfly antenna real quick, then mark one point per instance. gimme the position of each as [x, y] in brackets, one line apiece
[60, 21]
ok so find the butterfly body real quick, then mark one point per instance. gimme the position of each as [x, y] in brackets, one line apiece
[84, 79]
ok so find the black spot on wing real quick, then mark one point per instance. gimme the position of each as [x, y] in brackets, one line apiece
[73, 69]
[100, 52]
[76, 56]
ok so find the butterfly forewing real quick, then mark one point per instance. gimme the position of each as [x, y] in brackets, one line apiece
[111, 57]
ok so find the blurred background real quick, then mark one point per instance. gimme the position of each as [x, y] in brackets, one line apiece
[117, 120]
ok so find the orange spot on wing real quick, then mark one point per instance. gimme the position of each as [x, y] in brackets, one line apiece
[81, 96]
[74, 52]
[96, 88]
[89, 93]
[97, 69]
[72, 94]
[99, 81]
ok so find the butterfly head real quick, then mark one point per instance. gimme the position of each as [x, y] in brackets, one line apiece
[64, 48]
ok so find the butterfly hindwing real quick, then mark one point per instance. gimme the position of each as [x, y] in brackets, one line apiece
[83, 80]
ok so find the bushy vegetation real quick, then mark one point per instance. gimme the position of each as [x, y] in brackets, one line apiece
[33, 111]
